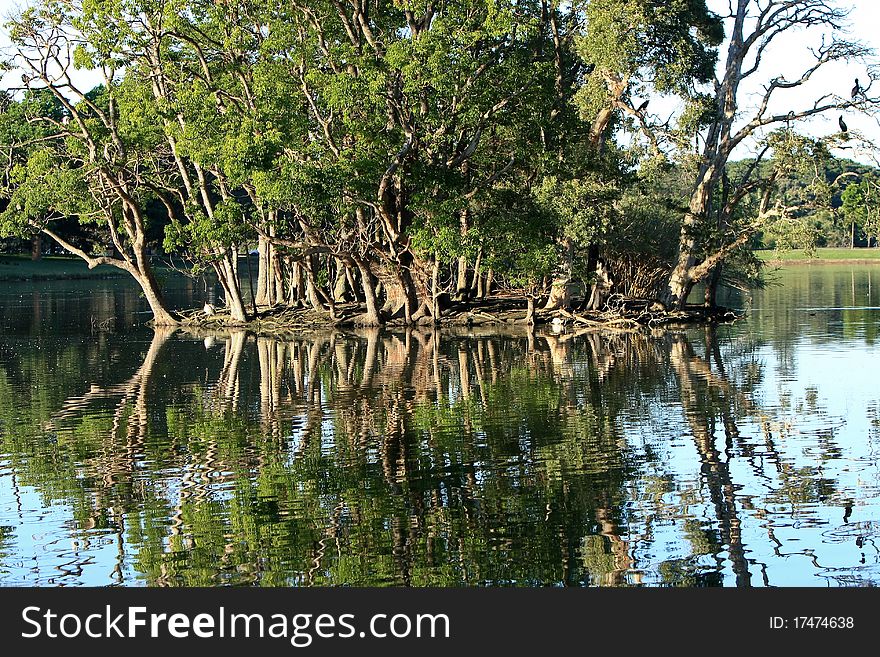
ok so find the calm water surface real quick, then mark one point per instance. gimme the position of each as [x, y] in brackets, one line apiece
[742, 456]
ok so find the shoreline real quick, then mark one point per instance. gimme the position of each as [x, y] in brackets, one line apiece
[42, 278]
[632, 316]
[822, 261]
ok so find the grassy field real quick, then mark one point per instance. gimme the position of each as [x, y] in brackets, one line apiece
[821, 256]
[50, 268]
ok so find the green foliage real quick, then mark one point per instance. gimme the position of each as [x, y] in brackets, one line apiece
[671, 45]
[45, 187]
[436, 131]
[861, 205]
[583, 208]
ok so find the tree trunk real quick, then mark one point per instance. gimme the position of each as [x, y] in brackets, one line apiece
[435, 291]
[461, 288]
[250, 277]
[37, 247]
[461, 285]
[680, 283]
[711, 293]
[296, 292]
[263, 296]
[372, 317]
[153, 295]
[411, 300]
[560, 289]
[312, 290]
[276, 275]
[401, 298]
[490, 280]
[601, 288]
[352, 284]
[476, 288]
[341, 283]
[228, 276]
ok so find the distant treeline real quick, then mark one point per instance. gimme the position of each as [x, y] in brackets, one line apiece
[840, 218]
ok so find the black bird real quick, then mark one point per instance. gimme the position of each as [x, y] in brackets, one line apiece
[856, 90]
[842, 125]
[24, 78]
[589, 68]
[641, 108]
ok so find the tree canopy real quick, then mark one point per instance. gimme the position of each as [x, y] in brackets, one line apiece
[391, 153]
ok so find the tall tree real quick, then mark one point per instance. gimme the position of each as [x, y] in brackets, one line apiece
[754, 26]
[631, 48]
[96, 153]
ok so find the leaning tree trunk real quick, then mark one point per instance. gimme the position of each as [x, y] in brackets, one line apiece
[153, 295]
[681, 280]
[138, 267]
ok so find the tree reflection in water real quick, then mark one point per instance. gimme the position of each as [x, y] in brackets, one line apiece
[415, 458]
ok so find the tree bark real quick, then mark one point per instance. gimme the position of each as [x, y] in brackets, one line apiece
[263, 296]
[227, 274]
[341, 284]
[139, 269]
[490, 280]
[560, 290]
[435, 291]
[711, 293]
[373, 317]
[461, 285]
[37, 247]
[530, 310]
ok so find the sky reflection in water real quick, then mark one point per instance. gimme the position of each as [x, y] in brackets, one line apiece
[741, 456]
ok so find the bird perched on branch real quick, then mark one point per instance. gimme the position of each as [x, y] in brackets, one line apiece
[641, 108]
[843, 126]
[857, 89]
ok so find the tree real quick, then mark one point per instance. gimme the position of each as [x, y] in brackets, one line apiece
[93, 155]
[630, 48]
[861, 206]
[754, 27]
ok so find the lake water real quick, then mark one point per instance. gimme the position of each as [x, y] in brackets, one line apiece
[747, 455]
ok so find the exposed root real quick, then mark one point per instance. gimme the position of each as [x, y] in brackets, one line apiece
[620, 315]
